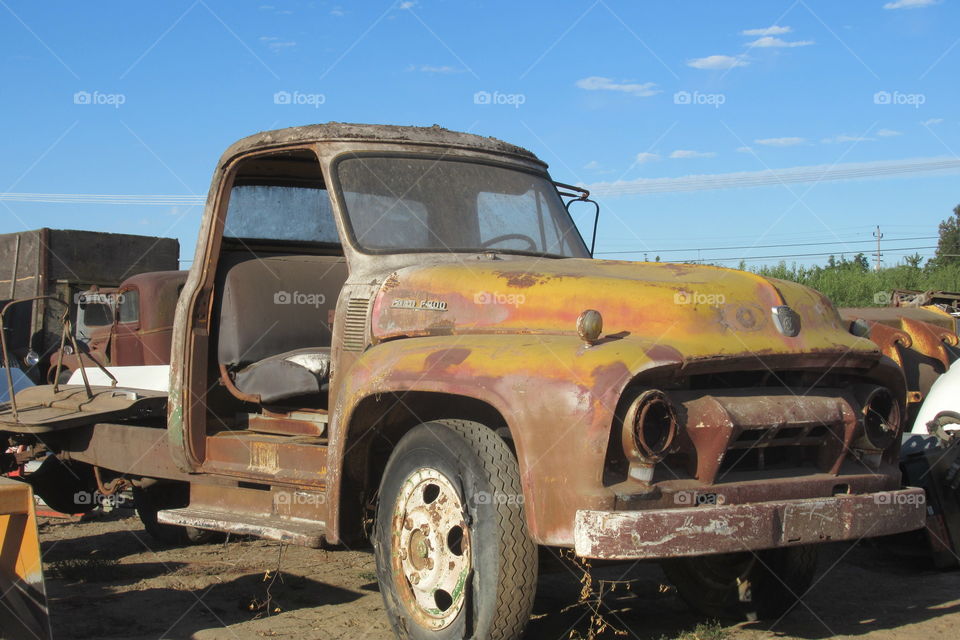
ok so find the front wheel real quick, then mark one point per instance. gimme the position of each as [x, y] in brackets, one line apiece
[751, 585]
[453, 556]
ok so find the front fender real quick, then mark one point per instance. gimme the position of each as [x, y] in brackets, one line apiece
[557, 395]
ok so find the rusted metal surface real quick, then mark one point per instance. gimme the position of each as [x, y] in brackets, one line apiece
[922, 342]
[144, 342]
[765, 378]
[63, 263]
[694, 531]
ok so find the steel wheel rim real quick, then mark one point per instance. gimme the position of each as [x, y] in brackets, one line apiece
[430, 550]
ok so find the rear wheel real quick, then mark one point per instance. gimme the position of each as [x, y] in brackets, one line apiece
[759, 585]
[453, 556]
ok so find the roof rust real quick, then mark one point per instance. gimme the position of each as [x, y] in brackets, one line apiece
[341, 131]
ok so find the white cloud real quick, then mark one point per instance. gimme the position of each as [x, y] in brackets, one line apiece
[717, 62]
[276, 44]
[338, 12]
[888, 133]
[688, 153]
[599, 83]
[593, 165]
[910, 4]
[769, 41]
[885, 170]
[646, 156]
[846, 138]
[931, 121]
[767, 31]
[744, 149]
[409, 4]
[780, 142]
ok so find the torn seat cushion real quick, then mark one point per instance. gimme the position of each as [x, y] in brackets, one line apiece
[287, 375]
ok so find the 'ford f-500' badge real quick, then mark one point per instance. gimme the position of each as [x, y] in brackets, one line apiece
[786, 320]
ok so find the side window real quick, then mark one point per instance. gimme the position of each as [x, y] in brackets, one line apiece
[280, 198]
[128, 303]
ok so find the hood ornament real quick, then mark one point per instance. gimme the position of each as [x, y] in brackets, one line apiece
[786, 320]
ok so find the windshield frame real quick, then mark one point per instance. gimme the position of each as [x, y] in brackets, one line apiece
[336, 191]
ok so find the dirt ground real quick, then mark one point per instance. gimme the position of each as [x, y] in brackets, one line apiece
[107, 579]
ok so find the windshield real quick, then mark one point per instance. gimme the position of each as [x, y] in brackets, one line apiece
[399, 204]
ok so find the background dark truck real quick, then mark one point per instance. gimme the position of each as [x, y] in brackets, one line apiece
[398, 334]
[62, 263]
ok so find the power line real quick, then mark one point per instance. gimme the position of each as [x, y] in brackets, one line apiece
[792, 255]
[96, 198]
[760, 246]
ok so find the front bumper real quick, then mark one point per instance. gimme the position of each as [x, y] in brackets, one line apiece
[694, 531]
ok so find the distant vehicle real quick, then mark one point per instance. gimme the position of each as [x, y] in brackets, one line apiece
[130, 325]
[43, 272]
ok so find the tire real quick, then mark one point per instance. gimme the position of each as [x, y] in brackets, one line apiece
[164, 496]
[751, 586]
[460, 481]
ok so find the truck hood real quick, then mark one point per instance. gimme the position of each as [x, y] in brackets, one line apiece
[700, 311]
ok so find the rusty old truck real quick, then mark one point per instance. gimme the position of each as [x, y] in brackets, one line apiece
[397, 334]
[126, 326]
[42, 273]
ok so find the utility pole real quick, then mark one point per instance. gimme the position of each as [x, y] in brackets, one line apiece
[878, 236]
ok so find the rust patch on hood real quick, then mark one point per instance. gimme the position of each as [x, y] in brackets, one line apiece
[521, 280]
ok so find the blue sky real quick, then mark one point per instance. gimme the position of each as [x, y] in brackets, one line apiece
[114, 98]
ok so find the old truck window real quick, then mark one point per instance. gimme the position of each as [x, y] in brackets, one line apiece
[402, 204]
[280, 212]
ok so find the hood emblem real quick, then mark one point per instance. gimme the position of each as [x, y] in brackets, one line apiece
[786, 320]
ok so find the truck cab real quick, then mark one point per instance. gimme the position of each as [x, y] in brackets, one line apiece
[397, 334]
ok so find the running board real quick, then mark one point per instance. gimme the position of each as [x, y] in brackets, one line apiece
[307, 533]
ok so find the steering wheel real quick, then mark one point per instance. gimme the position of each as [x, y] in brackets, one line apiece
[511, 236]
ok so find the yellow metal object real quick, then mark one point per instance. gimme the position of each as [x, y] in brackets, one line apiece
[23, 599]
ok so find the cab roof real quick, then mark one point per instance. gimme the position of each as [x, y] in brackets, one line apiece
[342, 131]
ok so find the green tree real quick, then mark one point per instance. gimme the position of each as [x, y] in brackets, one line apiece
[914, 260]
[948, 247]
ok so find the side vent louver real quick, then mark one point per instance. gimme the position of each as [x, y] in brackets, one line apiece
[355, 325]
